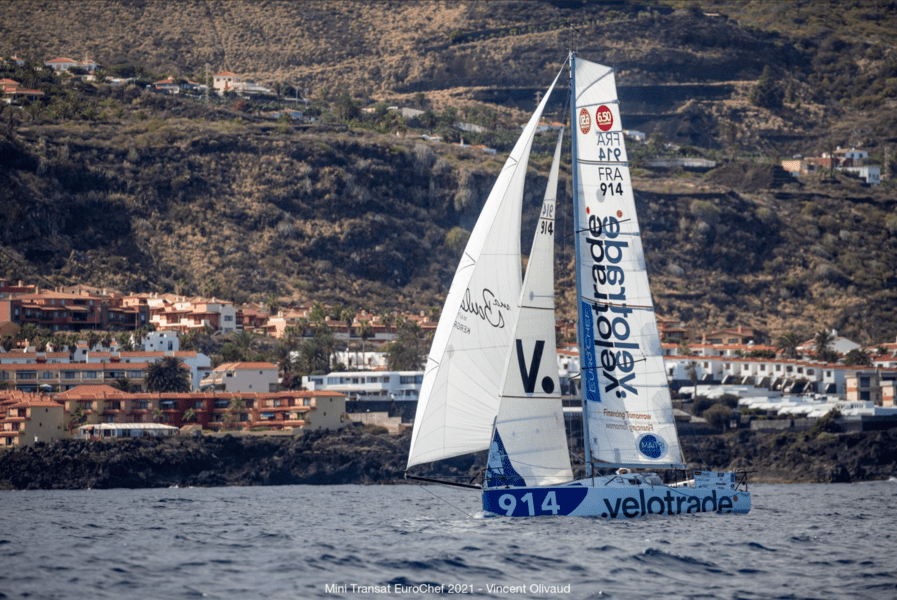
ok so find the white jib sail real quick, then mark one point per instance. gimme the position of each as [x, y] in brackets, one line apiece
[460, 391]
[625, 393]
[530, 422]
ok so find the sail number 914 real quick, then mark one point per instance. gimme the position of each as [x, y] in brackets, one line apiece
[611, 189]
[549, 504]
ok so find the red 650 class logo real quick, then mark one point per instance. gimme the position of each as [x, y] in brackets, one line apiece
[604, 118]
[585, 121]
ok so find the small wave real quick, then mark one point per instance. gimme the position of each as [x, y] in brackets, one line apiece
[756, 546]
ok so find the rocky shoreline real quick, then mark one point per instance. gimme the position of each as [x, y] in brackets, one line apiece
[360, 455]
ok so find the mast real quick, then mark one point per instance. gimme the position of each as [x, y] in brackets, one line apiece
[577, 227]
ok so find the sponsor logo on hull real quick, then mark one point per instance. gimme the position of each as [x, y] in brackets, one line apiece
[611, 503]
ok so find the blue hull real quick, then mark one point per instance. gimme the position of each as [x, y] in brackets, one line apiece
[613, 498]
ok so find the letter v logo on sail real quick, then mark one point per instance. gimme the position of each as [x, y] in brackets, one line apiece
[528, 375]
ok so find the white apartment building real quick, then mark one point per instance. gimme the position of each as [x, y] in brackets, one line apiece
[369, 385]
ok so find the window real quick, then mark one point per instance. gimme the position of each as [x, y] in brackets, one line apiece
[46, 375]
[143, 404]
[198, 405]
[864, 382]
[228, 318]
[406, 379]
[90, 375]
[27, 375]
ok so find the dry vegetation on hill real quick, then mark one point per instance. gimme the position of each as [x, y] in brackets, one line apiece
[121, 187]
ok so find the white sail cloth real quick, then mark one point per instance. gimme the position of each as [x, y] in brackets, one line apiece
[625, 395]
[459, 395]
[530, 423]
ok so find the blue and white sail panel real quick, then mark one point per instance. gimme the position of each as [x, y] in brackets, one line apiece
[530, 421]
[626, 397]
[459, 395]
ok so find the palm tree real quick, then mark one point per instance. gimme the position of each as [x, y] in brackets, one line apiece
[388, 319]
[283, 356]
[347, 316]
[77, 418]
[236, 408]
[692, 371]
[124, 341]
[210, 288]
[314, 354]
[124, 384]
[93, 338]
[365, 332]
[158, 415]
[788, 343]
[244, 343]
[822, 344]
[858, 357]
[318, 314]
[167, 375]
[272, 303]
[189, 416]
[407, 351]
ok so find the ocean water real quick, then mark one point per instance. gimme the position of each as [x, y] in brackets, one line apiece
[799, 541]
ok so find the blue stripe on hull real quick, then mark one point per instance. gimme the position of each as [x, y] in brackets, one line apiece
[613, 502]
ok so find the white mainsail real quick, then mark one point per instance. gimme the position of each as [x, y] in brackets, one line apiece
[529, 446]
[628, 414]
[459, 395]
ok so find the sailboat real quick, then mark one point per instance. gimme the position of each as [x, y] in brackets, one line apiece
[491, 379]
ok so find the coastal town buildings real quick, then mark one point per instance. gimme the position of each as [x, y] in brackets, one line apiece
[28, 418]
[374, 385]
[31, 371]
[242, 377]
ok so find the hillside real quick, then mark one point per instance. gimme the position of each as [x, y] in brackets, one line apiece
[120, 187]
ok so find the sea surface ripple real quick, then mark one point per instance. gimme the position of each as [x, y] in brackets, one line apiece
[799, 541]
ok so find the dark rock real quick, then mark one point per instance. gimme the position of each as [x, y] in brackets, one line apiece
[356, 456]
